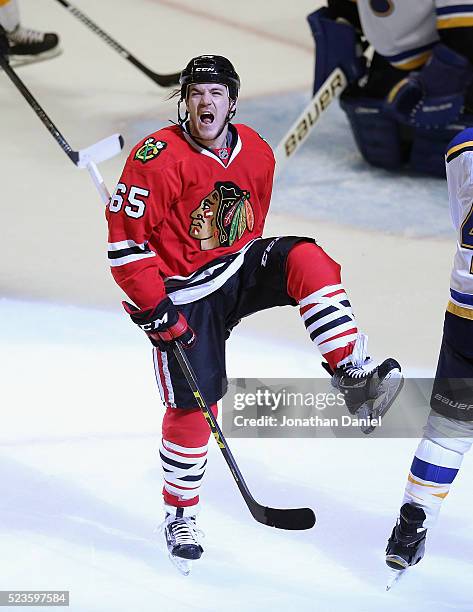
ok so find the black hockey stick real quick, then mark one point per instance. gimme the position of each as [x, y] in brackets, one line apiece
[165, 80]
[106, 148]
[281, 518]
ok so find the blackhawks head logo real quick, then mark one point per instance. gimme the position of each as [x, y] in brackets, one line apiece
[222, 217]
[150, 149]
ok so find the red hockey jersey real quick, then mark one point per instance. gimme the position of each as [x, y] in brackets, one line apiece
[180, 219]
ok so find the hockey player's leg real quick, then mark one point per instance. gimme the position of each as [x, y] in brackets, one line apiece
[183, 455]
[26, 45]
[407, 542]
[448, 435]
[434, 468]
[314, 281]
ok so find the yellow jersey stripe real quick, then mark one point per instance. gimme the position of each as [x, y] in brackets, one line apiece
[411, 64]
[457, 149]
[444, 23]
[4, 2]
[421, 484]
[460, 311]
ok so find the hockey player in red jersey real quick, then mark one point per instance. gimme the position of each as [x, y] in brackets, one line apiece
[185, 244]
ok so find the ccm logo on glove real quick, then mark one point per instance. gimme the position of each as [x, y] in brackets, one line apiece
[163, 323]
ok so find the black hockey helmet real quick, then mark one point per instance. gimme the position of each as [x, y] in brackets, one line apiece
[210, 69]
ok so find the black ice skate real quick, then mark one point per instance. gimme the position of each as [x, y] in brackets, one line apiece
[28, 46]
[406, 545]
[182, 539]
[407, 542]
[369, 390]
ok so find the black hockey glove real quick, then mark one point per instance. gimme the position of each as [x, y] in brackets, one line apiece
[163, 324]
[434, 96]
[4, 45]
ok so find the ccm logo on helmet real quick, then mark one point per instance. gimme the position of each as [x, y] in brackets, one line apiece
[204, 69]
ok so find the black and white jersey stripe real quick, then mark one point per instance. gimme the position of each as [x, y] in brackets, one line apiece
[126, 251]
[205, 280]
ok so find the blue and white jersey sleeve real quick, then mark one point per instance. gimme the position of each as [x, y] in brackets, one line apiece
[459, 163]
[405, 32]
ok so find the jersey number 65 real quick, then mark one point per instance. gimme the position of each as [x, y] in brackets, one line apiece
[135, 206]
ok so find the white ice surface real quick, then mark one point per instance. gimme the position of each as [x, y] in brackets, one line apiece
[81, 416]
[81, 487]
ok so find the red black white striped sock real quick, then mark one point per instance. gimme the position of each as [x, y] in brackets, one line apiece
[183, 470]
[330, 321]
[183, 455]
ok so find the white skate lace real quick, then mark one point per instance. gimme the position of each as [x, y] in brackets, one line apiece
[25, 36]
[183, 530]
[358, 364]
[360, 371]
[359, 353]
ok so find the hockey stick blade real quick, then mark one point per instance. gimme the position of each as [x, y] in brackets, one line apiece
[164, 80]
[101, 151]
[293, 519]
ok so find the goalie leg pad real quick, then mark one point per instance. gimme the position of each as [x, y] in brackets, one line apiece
[377, 135]
[429, 146]
[428, 150]
[386, 143]
[336, 46]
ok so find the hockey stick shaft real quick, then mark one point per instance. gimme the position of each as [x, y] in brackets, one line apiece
[297, 134]
[100, 151]
[299, 518]
[40, 112]
[164, 80]
[98, 182]
[189, 374]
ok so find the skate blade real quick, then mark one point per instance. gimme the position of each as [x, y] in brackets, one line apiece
[391, 387]
[365, 413]
[17, 61]
[395, 576]
[183, 565]
[376, 409]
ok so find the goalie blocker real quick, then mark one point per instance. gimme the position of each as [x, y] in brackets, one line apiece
[398, 119]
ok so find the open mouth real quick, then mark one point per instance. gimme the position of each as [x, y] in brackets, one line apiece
[207, 118]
